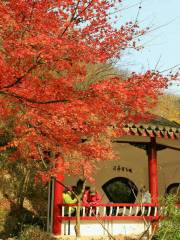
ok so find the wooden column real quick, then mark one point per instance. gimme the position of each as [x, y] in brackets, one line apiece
[153, 175]
[58, 200]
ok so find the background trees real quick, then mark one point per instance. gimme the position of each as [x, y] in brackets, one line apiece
[168, 107]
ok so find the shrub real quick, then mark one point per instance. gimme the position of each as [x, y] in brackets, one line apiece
[34, 233]
[169, 227]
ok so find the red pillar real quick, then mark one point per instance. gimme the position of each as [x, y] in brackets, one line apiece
[153, 176]
[58, 200]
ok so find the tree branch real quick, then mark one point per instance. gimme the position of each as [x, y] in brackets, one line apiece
[41, 155]
[168, 69]
[18, 79]
[74, 17]
[30, 100]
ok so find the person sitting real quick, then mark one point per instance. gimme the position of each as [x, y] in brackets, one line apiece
[85, 198]
[69, 198]
[91, 198]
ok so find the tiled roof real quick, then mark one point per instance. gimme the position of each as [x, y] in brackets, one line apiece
[158, 127]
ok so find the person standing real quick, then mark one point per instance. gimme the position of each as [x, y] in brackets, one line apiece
[69, 198]
[145, 199]
[146, 196]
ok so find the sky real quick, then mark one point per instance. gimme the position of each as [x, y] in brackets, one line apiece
[162, 45]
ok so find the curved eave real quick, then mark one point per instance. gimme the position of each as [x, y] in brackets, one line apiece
[149, 130]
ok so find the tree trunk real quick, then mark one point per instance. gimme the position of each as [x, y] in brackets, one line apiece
[23, 189]
[78, 223]
[77, 226]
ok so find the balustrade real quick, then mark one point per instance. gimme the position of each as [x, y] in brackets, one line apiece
[111, 211]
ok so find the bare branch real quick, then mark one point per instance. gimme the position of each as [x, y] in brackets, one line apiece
[128, 7]
[156, 28]
[139, 9]
[168, 69]
[159, 59]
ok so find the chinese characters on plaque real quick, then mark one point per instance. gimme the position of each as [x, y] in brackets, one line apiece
[119, 168]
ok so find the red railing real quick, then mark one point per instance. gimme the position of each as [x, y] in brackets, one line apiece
[111, 211]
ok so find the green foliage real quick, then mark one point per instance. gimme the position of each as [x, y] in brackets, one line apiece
[33, 233]
[169, 227]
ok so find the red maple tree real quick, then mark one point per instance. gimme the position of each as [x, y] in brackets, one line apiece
[46, 47]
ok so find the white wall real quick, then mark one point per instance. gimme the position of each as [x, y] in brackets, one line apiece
[93, 228]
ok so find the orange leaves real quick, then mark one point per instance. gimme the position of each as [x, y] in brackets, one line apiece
[47, 90]
[11, 144]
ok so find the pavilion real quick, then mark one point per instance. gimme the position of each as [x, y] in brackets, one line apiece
[149, 155]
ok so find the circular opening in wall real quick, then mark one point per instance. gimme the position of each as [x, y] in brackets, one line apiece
[120, 190]
[174, 189]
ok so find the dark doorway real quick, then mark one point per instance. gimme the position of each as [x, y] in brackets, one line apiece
[120, 190]
[174, 189]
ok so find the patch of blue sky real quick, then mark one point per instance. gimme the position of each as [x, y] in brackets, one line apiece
[162, 45]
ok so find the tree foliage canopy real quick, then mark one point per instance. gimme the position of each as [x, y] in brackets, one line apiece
[46, 49]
